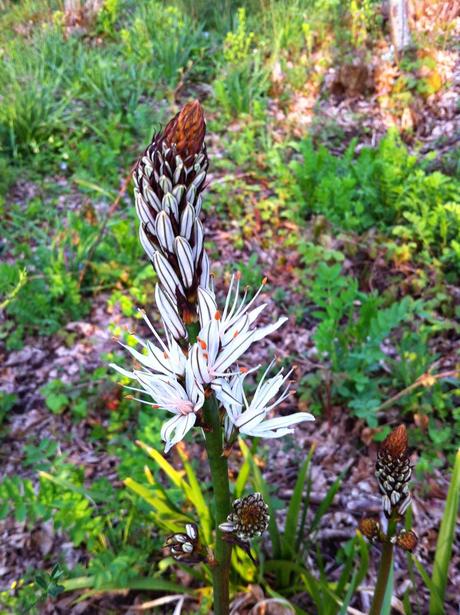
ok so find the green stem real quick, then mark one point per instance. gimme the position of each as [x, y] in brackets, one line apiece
[221, 489]
[384, 571]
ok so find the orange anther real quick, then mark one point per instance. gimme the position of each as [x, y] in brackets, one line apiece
[238, 275]
[264, 281]
[244, 370]
[155, 406]
[166, 355]
[217, 315]
[202, 343]
[236, 333]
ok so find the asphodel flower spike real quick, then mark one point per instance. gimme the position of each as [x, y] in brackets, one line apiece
[169, 178]
[393, 472]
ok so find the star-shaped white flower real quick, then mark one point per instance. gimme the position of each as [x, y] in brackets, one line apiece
[168, 379]
[225, 336]
[166, 358]
[250, 417]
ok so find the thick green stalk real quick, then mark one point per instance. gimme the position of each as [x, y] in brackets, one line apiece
[384, 571]
[221, 490]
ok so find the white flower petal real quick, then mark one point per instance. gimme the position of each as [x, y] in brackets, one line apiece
[205, 271]
[207, 306]
[198, 238]
[233, 351]
[269, 329]
[145, 242]
[174, 430]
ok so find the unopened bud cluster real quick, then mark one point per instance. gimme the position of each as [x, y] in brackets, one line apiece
[393, 472]
[249, 518]
[169, 179]
[184, 547]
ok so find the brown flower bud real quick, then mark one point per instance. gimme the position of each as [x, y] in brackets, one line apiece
[370, 528]
[407, 540]
[186, 130]
[395, 444]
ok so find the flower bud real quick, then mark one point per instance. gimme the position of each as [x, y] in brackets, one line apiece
[406, 539]
[393, 472]
[249, 517]
[370, 528]
[184, 547]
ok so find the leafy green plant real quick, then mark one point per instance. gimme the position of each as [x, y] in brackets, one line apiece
[244, 79]
[386, 188]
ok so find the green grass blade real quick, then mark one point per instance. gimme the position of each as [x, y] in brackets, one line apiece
[199, 501]
[262, 487]
[386, 606]
[445, 541]
[292, 518]
[328, 499]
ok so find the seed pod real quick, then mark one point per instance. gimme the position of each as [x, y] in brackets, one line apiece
[393, 472]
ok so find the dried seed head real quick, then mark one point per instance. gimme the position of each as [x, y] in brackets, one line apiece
[186, 130]
[370, 528]
[184, 547]
[406, 539]
[249, 517]
[393, 472]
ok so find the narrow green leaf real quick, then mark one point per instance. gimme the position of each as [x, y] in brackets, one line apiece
[292, 517]
[199, 501]
[386, 606]
[262, 487]
[445, 541]
[168, 514]
[139, 583]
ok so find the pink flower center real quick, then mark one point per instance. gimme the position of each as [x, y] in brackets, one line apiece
[184, 406]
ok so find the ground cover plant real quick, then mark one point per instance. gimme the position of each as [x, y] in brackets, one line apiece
[333, 173]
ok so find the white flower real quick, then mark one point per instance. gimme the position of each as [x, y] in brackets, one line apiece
[165, 385]
[225, 336]
[167, 359]
[250, 418]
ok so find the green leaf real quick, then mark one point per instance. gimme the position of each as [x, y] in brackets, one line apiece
[262, 487]
[445, 541]
[56, 402]
[292, 517]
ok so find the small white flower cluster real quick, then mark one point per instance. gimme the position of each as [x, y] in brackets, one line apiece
[176, 380]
